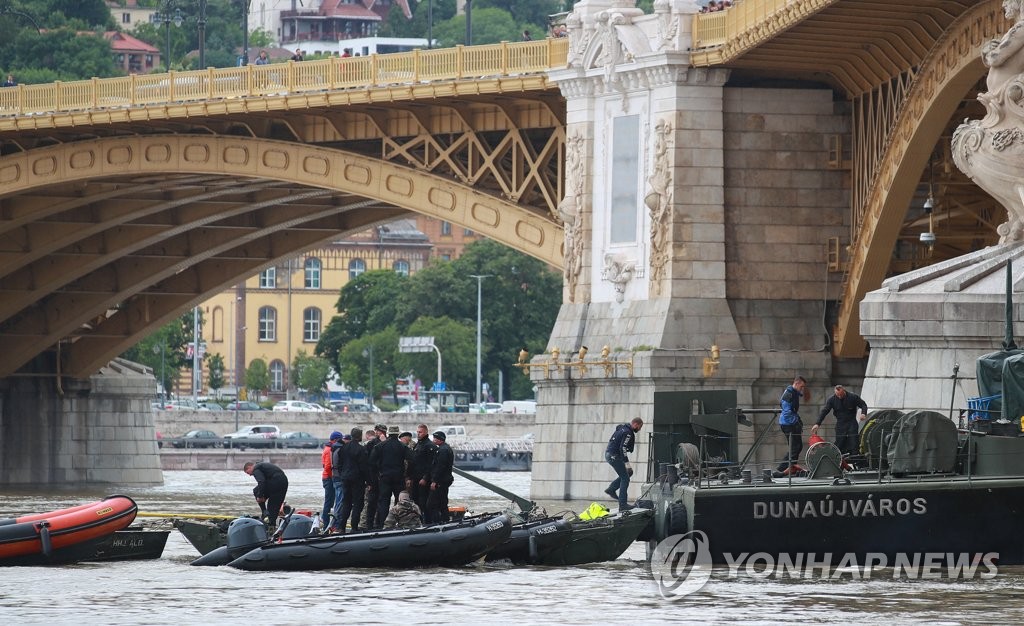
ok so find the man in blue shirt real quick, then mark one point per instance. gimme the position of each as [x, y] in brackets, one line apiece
[619, 445]
[789, 421]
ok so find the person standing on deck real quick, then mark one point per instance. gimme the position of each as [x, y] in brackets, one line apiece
[327, 478]
[441, 479]
[845, 405]
[271, 488]
[789, 421]
[616, 454]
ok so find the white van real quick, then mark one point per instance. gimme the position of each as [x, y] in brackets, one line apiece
[454, 434]
[519, 406]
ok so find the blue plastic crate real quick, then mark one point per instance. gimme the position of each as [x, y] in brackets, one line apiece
[979, 407]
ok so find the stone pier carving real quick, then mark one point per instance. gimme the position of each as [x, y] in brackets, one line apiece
[571, 210]
[659, 203]
[618, 270]
[991, 150]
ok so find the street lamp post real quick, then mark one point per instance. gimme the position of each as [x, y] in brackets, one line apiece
[163, 374]
[245, 34]
[479, 291]
[167, 19]
[369, 352]
[469, 22]
[201, 23]
[430, 24]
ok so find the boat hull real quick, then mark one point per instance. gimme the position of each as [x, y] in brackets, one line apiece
[131, 544]
[444, 545]
[603, 539]
[64, 536]
[890, 519]
[531, 542]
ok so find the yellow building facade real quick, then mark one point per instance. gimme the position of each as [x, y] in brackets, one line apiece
[284, 308]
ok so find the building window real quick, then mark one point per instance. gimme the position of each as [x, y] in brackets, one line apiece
[311, 325]
[268, 278]
[401, 267]
[126, 18]
[277, 375]
[355, 268]
[268, 324]
[467, 232]
[446, 228]
[218, 324]
[312, 278]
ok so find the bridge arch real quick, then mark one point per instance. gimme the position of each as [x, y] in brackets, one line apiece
[950, 70]
[109, 293]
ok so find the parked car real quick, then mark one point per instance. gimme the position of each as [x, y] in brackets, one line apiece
[209, 406]
[260, 436]
[485, 407]
[244, 405]
[198, 439]
[299, 405]
[298, 439]
[415, 407]
[354, 406]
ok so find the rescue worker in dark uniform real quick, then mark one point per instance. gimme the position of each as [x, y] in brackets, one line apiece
[271, 488]
[790, 423]
[844, 404]
[373, 439]
[419, 468]
[355, 477]
[441, 479]
[339, 484]
[619, 445]
[389, 458]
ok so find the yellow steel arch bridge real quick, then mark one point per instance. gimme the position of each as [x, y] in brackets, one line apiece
[125, 201]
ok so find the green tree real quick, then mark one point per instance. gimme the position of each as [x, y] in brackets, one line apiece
[165, 350]
[522, 11]
[215, 378]
[355, 366]
[257, 377]
[457, 343]
[310, 373]
[366, 305]
[490, 25]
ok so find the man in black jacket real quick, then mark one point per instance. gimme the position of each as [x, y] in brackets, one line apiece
[441, 478]
[844, 404]
[419, 468]
[355, 475]
[389, 458]
[271, 488]
[373, 439]
[620, 444]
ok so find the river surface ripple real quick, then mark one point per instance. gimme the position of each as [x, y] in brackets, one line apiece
[170, 591]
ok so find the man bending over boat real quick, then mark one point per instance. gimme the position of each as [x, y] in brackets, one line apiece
[845, 405]
[619, 445]
[789, 421]
[271, 488]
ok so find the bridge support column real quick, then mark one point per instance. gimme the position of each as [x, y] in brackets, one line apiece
[668, 206]
[83, 432]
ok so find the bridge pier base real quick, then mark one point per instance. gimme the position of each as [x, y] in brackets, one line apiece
[79, 432]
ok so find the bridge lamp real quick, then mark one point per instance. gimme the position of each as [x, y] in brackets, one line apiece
[167, 19]
[928, 238]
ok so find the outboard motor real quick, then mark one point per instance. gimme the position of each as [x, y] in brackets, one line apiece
[244, 534]
[297, 526]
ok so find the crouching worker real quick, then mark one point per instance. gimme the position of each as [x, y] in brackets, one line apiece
[404, 514]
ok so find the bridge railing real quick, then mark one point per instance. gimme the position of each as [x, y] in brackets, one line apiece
[711, 30]
[461, 62]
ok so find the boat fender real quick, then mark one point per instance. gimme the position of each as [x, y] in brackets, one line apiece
[533, 548]
[675, 519]
[44, 538]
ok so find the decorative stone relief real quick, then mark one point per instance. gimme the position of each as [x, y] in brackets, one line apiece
[668, 26]
[571, 210]
[618, 270]
[991, 150]
[659, 203]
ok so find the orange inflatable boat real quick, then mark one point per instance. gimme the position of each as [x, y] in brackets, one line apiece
[63, 536]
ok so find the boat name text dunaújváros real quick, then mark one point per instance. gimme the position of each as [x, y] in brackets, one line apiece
[860, 507]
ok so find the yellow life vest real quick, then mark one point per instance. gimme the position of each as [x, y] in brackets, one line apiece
[594, 511]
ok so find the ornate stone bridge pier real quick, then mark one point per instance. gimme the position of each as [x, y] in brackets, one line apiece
[696, 215]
